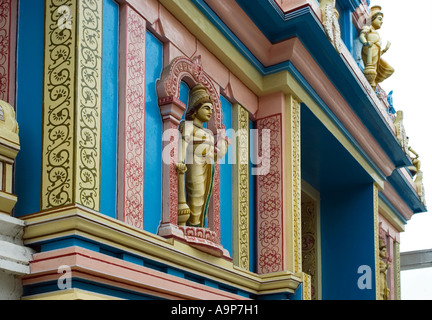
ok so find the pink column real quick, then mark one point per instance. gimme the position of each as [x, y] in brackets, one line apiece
[270, 198]
[172, 110]
[8, 14]
[131, 116]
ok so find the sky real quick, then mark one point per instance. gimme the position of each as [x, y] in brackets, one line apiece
[407, 25]
[410, 55]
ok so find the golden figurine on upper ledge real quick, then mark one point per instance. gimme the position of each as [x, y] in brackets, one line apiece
[199, 152]
[376, 69]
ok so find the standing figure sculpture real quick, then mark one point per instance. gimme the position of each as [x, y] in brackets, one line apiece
[384, 265]
[376, 69]
[198, 154]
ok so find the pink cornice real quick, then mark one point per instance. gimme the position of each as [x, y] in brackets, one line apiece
[291, 5]
[122, 274]
[396, 201]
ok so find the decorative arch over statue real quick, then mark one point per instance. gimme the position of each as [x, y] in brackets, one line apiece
[172, 109]
[190, 71]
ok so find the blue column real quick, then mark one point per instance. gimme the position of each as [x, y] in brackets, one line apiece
[108, 196]
[226, 190]
[347, 242]
[153, 137]
[29, 77]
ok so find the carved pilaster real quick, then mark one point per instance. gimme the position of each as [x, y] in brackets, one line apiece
[376, 240]
[241, 187]
[397, 270]
[72, 104]
[131, 115]
[8, 14]
[293, 183]
[270, 222]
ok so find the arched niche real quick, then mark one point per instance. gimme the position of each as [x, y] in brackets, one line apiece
[191, 72]
[172, 109]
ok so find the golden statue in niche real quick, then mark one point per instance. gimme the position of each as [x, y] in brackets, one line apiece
[384, 265]
[376, 69]
[198, 154]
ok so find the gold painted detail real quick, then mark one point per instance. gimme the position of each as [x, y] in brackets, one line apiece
[89, 97]
[296, 177]
[72, 104]
[397, 278]
[241, 185]
[310, 245]
[58, 113]
[376, 236]
[307, 290]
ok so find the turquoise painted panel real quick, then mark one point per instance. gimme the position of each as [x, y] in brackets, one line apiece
[108, 196]
[347, 242]
[252, 204]
[226, 176]
[29, 80]
[153, 137]
[184, 94]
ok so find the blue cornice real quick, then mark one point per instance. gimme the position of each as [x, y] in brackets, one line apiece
[406, 192]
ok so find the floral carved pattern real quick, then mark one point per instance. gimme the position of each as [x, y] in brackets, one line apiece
[309, 244]
[5, 18]
[296, 183]
[58, 109]
[241, 184]
[89, 102]
[72, 105]
[269, 195]
[173, 193]
[134, 120]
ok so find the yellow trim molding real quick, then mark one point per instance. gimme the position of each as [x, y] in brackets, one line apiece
[76, 220]
[70, 294]
[376, 238]
[293, 183]
[241, 187]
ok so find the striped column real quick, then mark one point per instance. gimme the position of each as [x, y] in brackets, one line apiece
[241, 188]
[72, 104]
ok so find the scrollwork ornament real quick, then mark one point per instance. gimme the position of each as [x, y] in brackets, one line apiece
[89, 104]
[58, 106]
